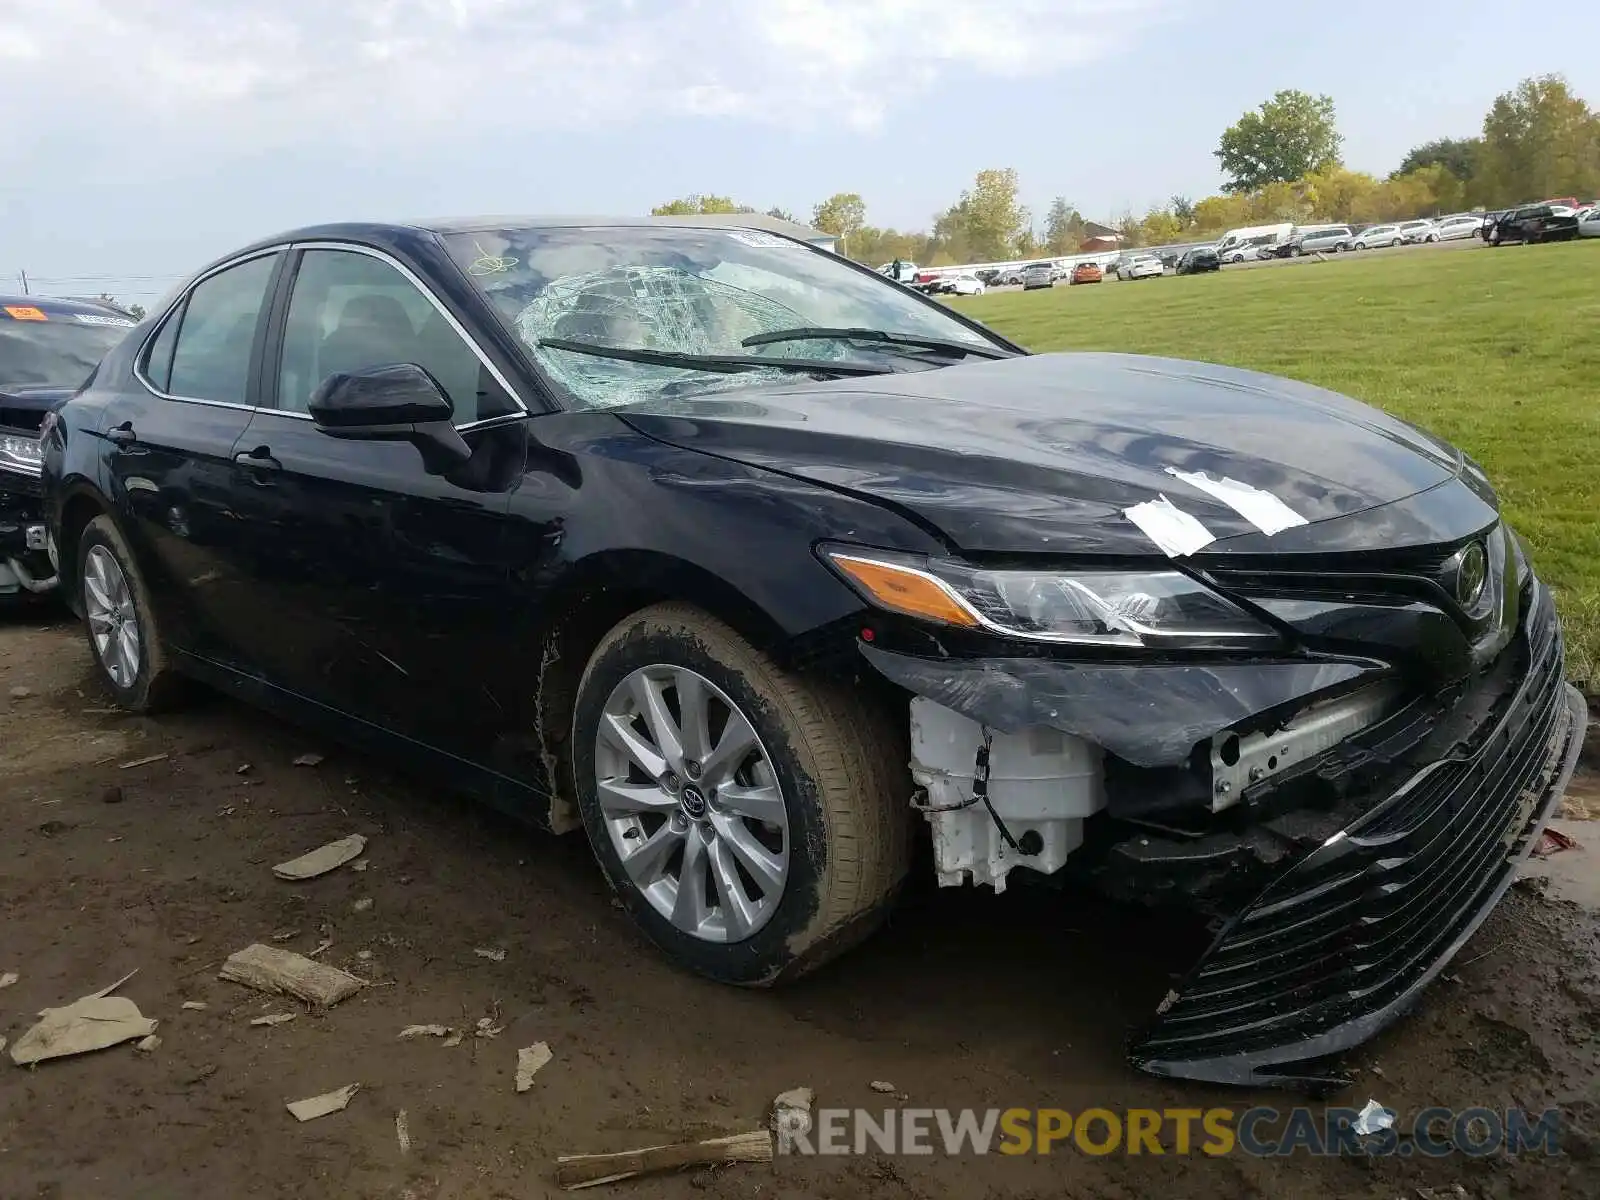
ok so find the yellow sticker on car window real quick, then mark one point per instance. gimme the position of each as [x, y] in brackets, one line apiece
[25, 312]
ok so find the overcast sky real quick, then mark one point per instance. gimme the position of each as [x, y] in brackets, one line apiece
[144, 137]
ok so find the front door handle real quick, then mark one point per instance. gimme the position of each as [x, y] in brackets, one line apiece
[122, 435]
[259, 459]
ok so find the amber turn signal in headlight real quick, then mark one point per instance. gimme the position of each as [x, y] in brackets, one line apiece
[904, 589]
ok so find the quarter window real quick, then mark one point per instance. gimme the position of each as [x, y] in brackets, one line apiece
[211, 359]
[351, 311]
[158, 359]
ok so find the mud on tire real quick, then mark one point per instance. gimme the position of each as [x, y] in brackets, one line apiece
[839, 761]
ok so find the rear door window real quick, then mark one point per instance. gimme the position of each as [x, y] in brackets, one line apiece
[211, 357]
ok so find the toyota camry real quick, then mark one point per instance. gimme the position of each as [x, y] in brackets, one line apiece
[780, 581]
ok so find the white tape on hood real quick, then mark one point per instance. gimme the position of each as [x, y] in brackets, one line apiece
[1262, 509]
[1169, 527]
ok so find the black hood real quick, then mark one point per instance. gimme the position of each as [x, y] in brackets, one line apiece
[1042, 453]
[23, 405]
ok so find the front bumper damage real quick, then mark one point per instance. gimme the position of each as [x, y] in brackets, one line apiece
[24, 559]
[1342, 885]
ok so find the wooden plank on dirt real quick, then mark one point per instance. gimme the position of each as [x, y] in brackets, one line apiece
[283, 972]
[574, 1171]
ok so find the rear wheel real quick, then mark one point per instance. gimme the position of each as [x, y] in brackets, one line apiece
[124, 633]
[753, 823]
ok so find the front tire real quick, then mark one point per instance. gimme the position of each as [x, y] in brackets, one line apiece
[120, 621]
[753, 823]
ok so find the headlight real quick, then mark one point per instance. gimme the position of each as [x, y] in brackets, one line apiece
[1087, 608]
[21, 453]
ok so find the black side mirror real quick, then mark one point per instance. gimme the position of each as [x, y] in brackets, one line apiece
[396, 402]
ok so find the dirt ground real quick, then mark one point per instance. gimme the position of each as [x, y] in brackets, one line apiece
[965, 1000]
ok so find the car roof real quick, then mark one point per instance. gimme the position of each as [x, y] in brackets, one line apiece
[53, 306]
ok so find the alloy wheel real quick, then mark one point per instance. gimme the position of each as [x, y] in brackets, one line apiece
[113, 619]
[691, 803]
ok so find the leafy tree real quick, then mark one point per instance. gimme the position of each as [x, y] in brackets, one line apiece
[1182, 208]
[1459, 156]
[1288, 137]
[841, 214]
[1538, 141]
[1063, 227]
[782, 214]
[1130, 229]
[988, 221]
[1336, 193]
[1215, 214]
[1160, 227]
[696, 204]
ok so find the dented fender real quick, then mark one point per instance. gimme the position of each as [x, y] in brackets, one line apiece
[1150, 714]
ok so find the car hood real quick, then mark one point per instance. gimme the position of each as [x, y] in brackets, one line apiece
[1044, 453]
[23, 405]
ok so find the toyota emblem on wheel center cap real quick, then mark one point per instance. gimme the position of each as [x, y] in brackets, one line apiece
[1472, 572]
[693, 801]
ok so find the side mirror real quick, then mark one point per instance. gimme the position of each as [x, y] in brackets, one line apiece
[396, 402]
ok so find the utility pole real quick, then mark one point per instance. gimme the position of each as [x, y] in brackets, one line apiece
[23, 275]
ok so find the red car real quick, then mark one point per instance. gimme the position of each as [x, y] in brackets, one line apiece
[1086, 272]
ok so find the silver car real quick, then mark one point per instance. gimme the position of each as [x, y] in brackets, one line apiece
[1326, 240]
[1419, 231]
[1466, 225]
[1377, 235]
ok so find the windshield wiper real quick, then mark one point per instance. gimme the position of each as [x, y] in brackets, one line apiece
[726, 363]
[816, 333]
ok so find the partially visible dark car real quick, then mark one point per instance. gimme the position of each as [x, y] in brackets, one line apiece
[48, 347]
[1489, 218]
[1201, 258]
[1532, 223]
[693, 539]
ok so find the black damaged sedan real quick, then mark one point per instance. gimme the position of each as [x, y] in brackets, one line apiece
[781, 582]
[48, 347]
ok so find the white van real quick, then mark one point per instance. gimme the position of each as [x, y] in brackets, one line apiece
[1259, 235]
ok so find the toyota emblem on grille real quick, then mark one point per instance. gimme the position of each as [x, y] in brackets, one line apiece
[1472, 572]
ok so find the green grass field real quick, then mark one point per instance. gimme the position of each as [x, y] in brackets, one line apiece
[1496, 350]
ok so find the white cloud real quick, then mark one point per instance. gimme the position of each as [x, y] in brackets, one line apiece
[283, 72]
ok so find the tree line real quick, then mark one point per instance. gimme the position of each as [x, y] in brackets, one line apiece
[1282, 163]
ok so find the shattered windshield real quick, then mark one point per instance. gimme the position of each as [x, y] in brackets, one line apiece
[692, 291]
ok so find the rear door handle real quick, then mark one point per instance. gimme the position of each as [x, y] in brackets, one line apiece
[259, 459]
[122, 435]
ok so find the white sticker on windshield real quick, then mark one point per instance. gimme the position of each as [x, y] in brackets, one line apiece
[1262, 509]
[1176, 532]
[754, 237]
[114, 322]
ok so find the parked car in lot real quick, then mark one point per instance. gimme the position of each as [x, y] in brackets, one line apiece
[1464, 226]
[1318, 239]
[1533, 223]
[1139, 266]
[1038, 275]
[1589, 223]
[1197, 260]
[1086, 272]
[1419, 231]
[692, 540]
[1375, 236]
[47, 348]
[1488, 222]
[964, 284]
